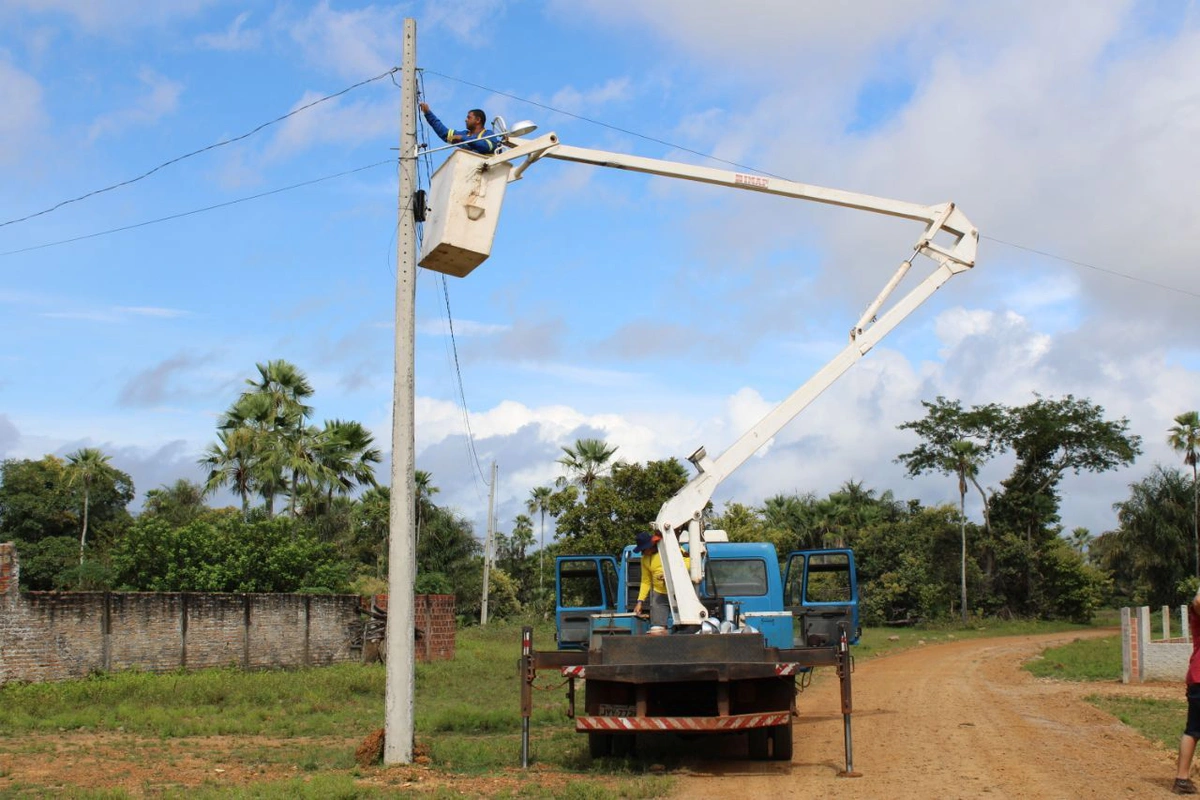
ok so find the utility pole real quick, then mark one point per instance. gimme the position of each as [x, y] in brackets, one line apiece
[402, 548]
[487, 548]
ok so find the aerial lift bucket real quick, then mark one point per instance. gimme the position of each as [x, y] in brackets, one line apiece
[464, 207]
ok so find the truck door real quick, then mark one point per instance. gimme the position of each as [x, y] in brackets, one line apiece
[821, 591]
[583, 586]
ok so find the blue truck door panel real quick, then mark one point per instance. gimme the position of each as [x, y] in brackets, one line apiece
[821, 591]
[583, 586]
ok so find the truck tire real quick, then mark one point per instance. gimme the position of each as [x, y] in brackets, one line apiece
[781, 742]
[622, 744]
[757, 744]
[600, 744]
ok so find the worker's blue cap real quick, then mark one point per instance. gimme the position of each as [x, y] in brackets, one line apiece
[645, 540]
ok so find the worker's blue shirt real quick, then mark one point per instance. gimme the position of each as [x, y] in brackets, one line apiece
[466, 139]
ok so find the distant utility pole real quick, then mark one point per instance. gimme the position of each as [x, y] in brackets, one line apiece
[487, 548]
[402, 546]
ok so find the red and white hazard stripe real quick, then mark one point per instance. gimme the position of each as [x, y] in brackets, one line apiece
[574, 672]
[731, 723]
[786, 669]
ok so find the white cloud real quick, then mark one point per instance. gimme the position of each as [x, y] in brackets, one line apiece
[160, 100]
[24, 116]
[236, 37]
[330, 122]
[354, 44]
[114, 17]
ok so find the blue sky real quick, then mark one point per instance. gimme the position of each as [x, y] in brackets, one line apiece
[659, 315]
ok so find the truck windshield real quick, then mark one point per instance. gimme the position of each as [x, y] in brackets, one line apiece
[737, 577]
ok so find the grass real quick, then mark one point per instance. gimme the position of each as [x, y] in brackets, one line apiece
[299, 728]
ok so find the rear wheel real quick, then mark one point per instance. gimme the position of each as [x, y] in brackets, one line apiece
[622, 744]
[781, 742]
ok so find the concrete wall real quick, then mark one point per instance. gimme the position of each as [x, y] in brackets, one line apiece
[1144, 658]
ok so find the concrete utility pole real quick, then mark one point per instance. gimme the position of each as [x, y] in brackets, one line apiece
[402, 547]
[487, 548]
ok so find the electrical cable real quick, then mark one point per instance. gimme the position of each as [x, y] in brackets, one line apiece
[182, 214]
[781, 177]
[177, 159]
[1079, 263]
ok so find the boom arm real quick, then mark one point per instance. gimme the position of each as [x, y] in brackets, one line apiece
[684, 510]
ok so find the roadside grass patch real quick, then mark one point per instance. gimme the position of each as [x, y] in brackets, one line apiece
[1080, 660]
[1157, 720]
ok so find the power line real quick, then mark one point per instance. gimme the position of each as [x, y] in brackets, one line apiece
[781, 177]
[177, 159]
[197, 210]
[1079, 263]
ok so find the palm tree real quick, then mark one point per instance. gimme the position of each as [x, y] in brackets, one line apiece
[1080, 539]
[539, 503]
[87, 465]
[274, 407]
[587, 461]
[425, 491]
[231, 463]
[1185, 438]
[963, 460]
[345, 454]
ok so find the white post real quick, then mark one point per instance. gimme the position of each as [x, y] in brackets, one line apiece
[487, 548]
[402, 550]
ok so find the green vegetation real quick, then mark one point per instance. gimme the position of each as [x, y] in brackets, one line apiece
[311, 517]
[1081, 660]
[310, 721]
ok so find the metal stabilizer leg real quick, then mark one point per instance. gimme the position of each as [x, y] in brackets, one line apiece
[527, 674]
[844, 669]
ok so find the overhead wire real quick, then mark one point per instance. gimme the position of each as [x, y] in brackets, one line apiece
[750, 168]
[214, 146]
[182, 214]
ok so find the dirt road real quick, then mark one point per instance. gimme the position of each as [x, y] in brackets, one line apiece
[956, 720]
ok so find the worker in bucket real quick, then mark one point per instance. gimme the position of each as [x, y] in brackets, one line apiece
[654, 585]
[472, 138]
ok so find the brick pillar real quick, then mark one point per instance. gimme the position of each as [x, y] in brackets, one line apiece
[10, 570]
[1128, 646]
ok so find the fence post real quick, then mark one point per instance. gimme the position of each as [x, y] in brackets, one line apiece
[1127, 646]
[1143, 638]
[1166, 616]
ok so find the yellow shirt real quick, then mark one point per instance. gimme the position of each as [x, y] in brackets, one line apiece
[652, 574]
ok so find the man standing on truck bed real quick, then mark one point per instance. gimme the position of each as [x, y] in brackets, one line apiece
[473, 138]
[654, 585]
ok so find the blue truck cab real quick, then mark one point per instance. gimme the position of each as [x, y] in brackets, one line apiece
[803, 603]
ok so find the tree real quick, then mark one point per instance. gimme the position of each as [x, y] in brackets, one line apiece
[230, 462]
[963, 460]
[87, 466]
[586, 461]
[1080, 539]
[539, 503]
[1185, 438]
[178, 504]
[274, 409]
[425, 491]
[346, 457]
[617, 507]
[1149, 551]
[945, 423]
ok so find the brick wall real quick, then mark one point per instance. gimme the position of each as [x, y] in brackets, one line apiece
[9, 570]
[48, 636]
[435, 622]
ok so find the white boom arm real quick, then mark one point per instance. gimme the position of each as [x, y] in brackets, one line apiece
[684, 510]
